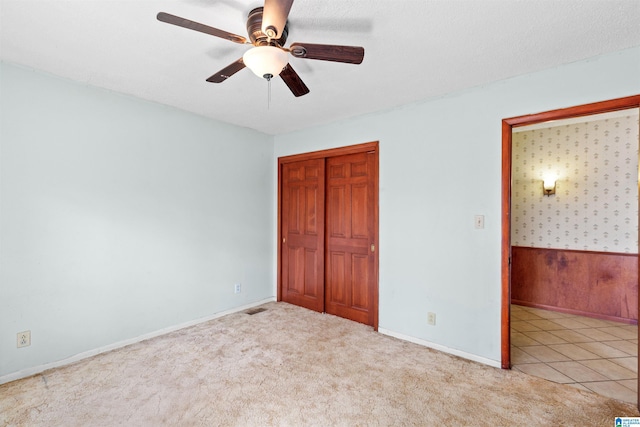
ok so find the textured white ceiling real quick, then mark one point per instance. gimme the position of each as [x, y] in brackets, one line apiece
[414, 50]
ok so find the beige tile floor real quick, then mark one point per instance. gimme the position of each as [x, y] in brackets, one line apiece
[590, 354]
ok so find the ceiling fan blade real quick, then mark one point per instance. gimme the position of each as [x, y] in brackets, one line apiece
[227, 72]
[293, 81]
[328, 52]
[274, 17]
[191, 25]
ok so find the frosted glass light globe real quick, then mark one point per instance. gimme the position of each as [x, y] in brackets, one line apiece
[265, 61]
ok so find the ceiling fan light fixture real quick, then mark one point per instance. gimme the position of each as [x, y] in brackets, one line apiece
[265, 61]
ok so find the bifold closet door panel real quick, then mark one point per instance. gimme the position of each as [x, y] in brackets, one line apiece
[350, 237]
[302, 228]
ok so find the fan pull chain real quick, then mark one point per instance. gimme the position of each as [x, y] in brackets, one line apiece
[268, 77]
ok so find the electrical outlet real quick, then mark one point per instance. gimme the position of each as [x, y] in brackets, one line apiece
[431, 319]
[24, 339]
[237, 288]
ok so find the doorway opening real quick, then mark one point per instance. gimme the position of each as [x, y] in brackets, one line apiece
[508, 126]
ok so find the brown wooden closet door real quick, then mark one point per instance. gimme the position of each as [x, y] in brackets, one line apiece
[302, 228]
[350, 222]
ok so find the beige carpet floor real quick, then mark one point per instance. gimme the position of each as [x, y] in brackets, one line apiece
[288, 366]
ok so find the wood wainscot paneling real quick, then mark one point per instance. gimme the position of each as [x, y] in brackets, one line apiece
[603, 285]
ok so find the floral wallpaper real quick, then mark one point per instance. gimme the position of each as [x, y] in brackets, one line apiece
[595, 164]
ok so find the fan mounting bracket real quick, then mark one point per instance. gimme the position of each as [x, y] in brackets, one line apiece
[257, 37]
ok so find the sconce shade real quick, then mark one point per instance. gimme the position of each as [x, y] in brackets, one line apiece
[265, 61]
[549, 187]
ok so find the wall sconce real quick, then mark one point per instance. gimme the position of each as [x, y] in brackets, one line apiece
[549, 187]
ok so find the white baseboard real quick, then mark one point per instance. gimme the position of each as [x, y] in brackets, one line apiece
[84, 355]
[442, 348]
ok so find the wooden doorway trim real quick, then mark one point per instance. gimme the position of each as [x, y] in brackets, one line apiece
[507, 127]
[341, 151]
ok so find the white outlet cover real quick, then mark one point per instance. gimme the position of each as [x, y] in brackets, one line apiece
[431, 319]
[23, 339]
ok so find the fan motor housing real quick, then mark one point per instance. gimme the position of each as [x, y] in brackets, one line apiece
[254, 29]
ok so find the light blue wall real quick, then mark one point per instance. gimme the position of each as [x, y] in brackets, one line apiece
[119, 217]
[440, 164]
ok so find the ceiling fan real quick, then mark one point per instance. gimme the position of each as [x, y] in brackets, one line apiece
[268, 30]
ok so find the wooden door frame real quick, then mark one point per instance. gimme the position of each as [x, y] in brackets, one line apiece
[507, 127]
[366, 147]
